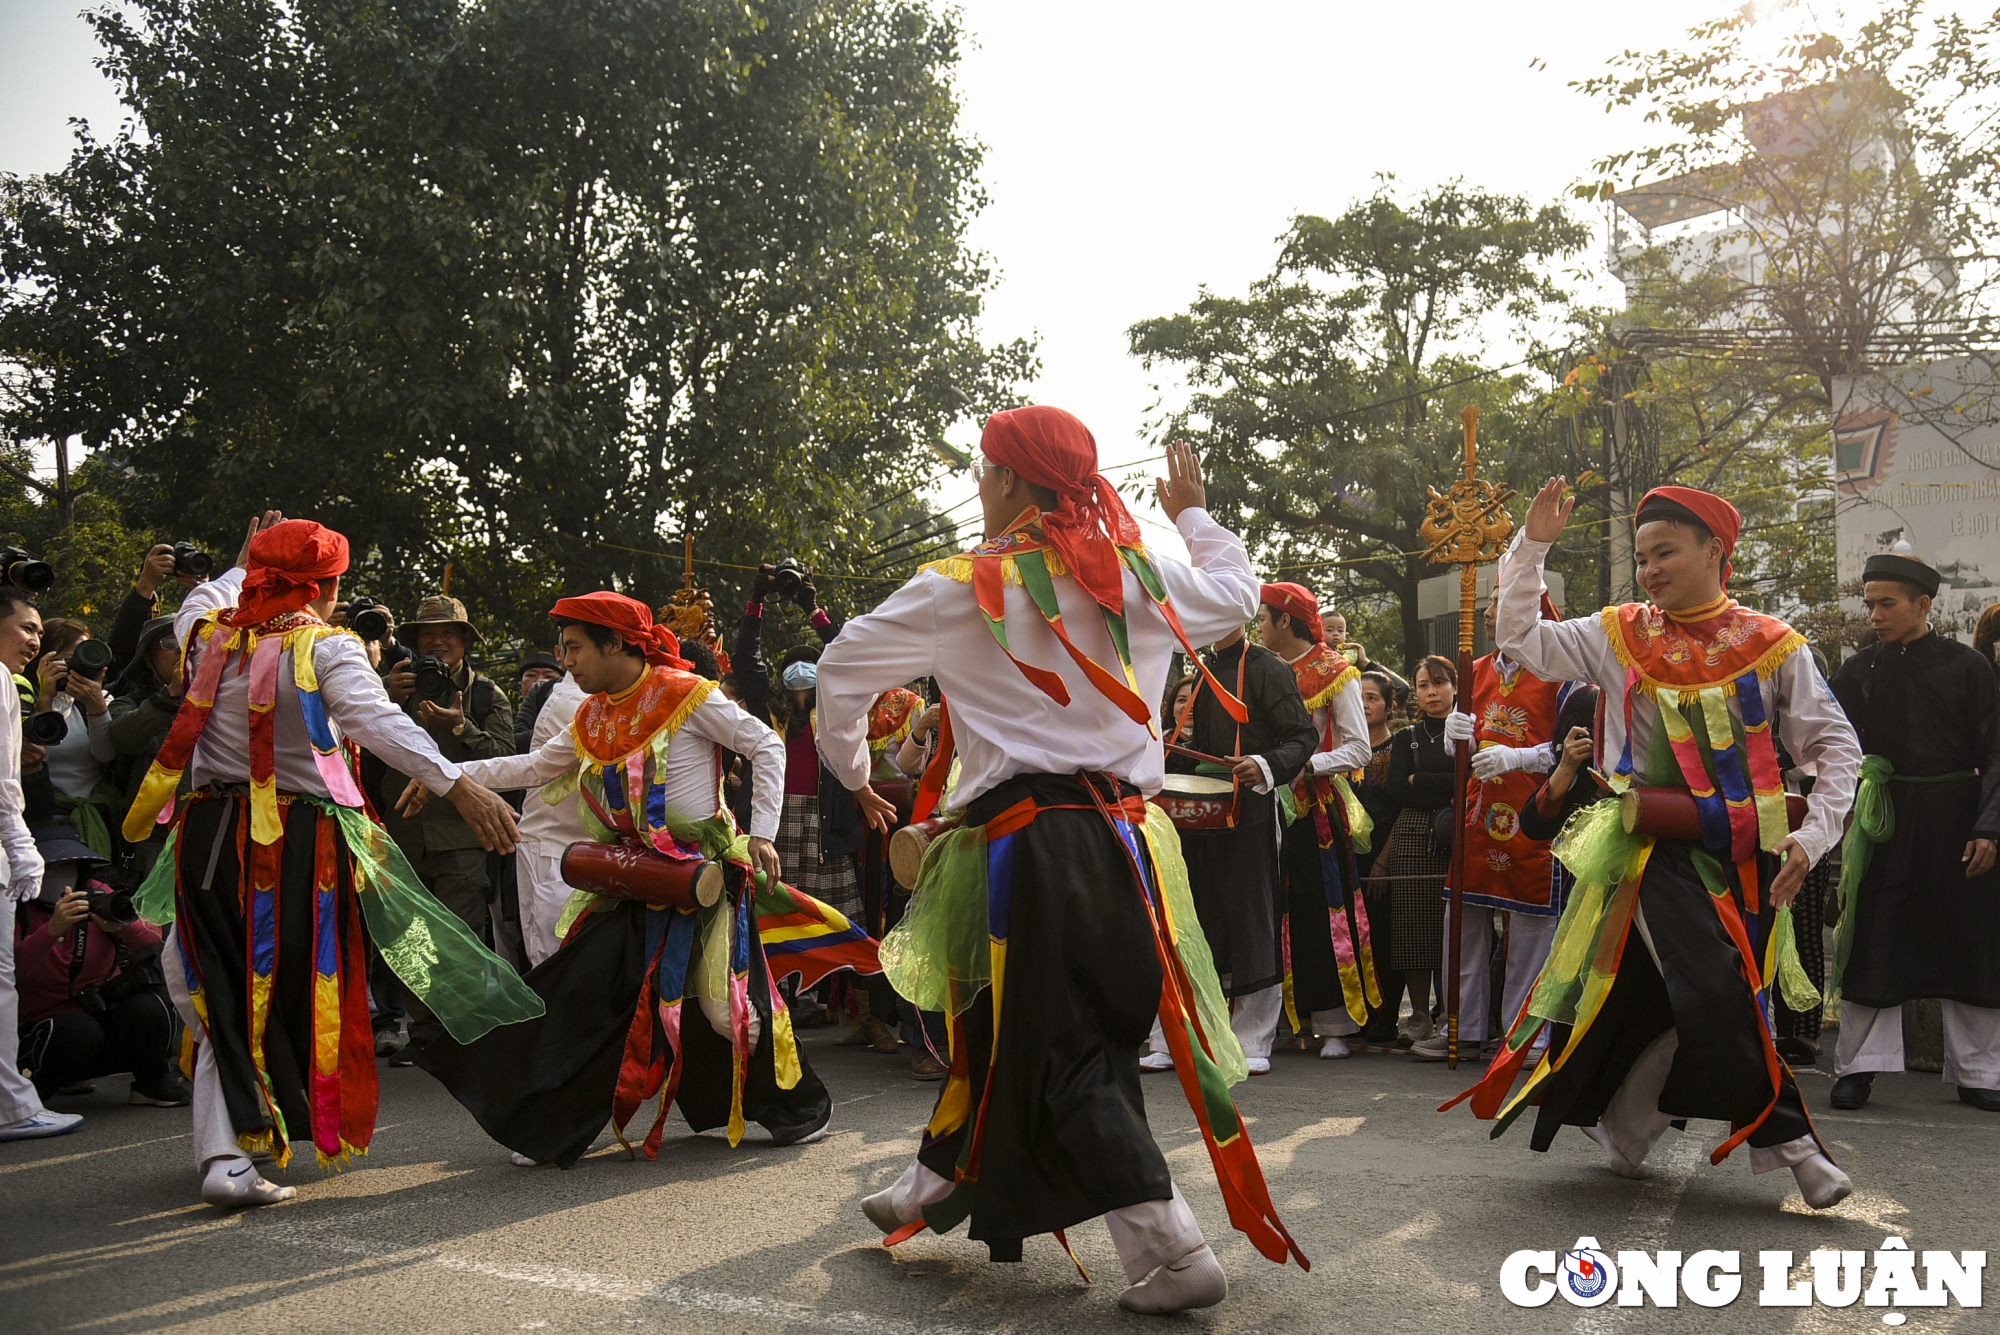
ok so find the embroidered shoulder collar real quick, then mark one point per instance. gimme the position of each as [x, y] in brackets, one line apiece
[892, 715]
[610, 729]
[1323, 673]
[1667, 654]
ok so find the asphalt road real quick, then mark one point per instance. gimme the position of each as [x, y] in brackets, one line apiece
[1407, 1215]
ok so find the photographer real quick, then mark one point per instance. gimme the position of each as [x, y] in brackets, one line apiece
[93, 995]
[180, 562]
[375, 624]
[144, 702]
[70, 677]
[539, 674]
[750, 674]
[468, 716]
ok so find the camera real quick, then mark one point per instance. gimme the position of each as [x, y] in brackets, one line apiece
[192, 560]
[434, 681]
[137, 976]
[369, 617]
[45, 729]
[19, 568]
[111, 903]
[90, 659]
[787, 577]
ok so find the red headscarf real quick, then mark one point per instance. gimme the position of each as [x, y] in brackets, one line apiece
[1719, 515]
[287, 562]
[1052, 449]
[1296, 600]
[633, 621]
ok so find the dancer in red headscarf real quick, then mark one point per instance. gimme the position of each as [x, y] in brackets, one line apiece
[278, 875]
[1680, 918]
[647, 999]
[1053, 924]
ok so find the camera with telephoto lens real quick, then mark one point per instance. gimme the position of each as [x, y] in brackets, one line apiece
[434, 681]
[90, 659]
[19, 568]
[45, 728]
[787, 577]
[369, 617]
[192, 560]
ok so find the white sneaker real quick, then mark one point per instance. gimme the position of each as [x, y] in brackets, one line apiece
[1196, 1280]
[1821, 1182]
[1333, 1049]
[521, 1160]
[1157, 1061]
[1620, 1165]
[42, 1124]
[1416, 1029]
[235, 1184]
[1435, 1048]
[1258, 1066]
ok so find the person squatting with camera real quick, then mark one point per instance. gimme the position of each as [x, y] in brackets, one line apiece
[93, 995]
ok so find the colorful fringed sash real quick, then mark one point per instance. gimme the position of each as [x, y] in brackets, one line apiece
[1023, 556]
[1689, 669]
[1341, 826]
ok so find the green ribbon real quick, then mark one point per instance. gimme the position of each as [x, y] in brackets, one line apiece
[1874, 823]
[87, 815]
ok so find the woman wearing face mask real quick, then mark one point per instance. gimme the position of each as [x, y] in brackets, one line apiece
[1420, 782]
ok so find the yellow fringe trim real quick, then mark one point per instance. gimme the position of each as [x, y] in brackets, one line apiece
[1334, 688]
[959, 568]
[264, 1142]
[1687, 695]
[675, 721]
[340, 1163]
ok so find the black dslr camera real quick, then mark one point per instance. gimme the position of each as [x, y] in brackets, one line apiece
[192, 561]
[19, 568]
[368, 617]
[434, 681]
[788, 576]
[89, 660]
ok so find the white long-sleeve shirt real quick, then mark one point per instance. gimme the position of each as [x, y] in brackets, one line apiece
[1002, 723]
[20, 862]
[357, 705]
[1350, 750]
[550, 827]
[693, 786]
[1812, 724]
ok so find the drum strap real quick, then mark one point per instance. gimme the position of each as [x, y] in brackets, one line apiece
[1187, 715]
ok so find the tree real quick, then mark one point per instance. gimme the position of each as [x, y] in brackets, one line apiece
[1327, 400]
[528, 286]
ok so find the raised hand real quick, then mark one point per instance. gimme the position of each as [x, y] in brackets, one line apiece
[1550, 512]
[1182, 488]
[257, 525]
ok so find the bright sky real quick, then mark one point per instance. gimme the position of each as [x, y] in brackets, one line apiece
[1138, 151]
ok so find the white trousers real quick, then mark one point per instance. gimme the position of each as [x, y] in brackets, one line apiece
[543, 892]
[1333, 1024]
[1147, 1235]
[1253, 1018]
[1529, 936]
[1634, 1121]
[1871, 1039]
[214, 1136]
[18, 1100]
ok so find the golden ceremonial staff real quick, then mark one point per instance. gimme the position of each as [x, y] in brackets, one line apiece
[1466, 526]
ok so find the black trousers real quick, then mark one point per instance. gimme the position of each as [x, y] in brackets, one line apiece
[136, 1035]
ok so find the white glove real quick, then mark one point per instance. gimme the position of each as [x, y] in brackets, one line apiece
[1457, 728]
[1493, 761]
[26, 887]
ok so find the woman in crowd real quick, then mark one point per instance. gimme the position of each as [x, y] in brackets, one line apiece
[77, 764]
[1986, 635]
[1420, 782]
[1380, 703]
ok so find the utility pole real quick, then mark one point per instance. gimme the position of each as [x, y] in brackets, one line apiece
[1618, 479]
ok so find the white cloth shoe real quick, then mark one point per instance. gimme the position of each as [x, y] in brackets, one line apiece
[1435, 1048]
[1157, 1061]
[1196, 1280]
[42, 1124]
[235, 1184]
[1620, 1165]
[1821, 1182]
[1258, 1066]
[1333, 1049]
[520, 1160]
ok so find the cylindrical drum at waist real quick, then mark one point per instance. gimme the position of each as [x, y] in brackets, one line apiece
[1197, 801]
[908, 845]
[627, 871]
[1671, 813]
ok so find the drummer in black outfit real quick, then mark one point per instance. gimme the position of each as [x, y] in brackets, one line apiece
[1234, 873]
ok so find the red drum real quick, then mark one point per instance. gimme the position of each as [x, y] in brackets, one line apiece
[908, 845]
[1671, 813]
[1198, 801]
[627, 871]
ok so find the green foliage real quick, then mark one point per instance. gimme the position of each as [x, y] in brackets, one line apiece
[529, 286]
[1327, 401]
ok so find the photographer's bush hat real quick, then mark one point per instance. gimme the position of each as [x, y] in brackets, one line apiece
[440, 610]
[59, 843]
